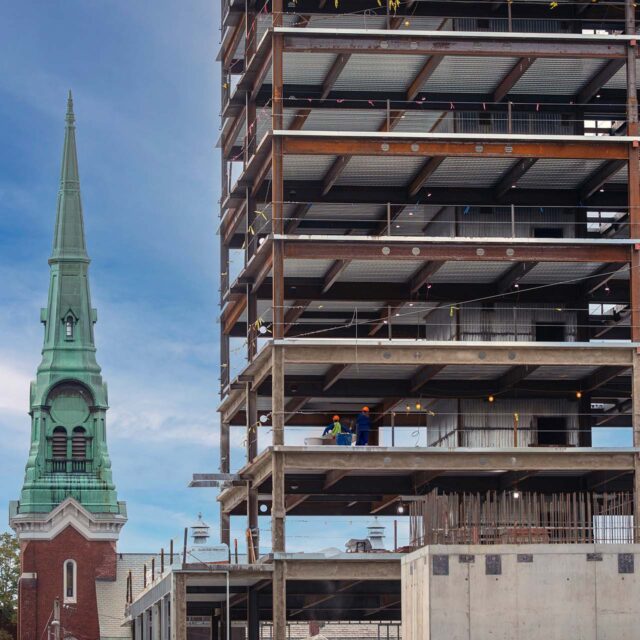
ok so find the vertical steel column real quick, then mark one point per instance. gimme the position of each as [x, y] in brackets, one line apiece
[225, 466]
[278, 513]
[253, 615]
[633, 169]
[277, 371]
[224, 270]
[252, 317]
[634, 213]
[277, 188]
[225, 361]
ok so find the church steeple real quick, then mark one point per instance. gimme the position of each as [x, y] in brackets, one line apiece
[68, 239]
[68, 456]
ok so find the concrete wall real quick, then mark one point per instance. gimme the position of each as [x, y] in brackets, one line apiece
[522, 592]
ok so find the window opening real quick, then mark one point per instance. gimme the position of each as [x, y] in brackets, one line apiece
[550, 332]
[552, 430]
[59, 450]
[70, 581]
[68, 331]
[79, 450]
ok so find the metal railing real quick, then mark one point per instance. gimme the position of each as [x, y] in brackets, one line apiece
[515, 517]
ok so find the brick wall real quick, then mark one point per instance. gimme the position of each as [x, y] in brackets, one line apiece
[94, 559]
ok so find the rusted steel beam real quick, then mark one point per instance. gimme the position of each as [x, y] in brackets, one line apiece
[437, 251]
[600, 177]
[230, 138]
[598, 80]
[334, 73]
[294, 313]
[450, 44]
[427, 70]
[333, 173]
[385, 317]
[600, 377]
[422, 275]
[259, 76]
[333, 375]
[232, 314]
[333, 273]
[512, 377]
[513, 174]
[425, 172]
[332, 478]
[293, 406]
[511, 277]
[366, 145]
[299, 213]
[231, 222]
[426, 373]
[232, 45]
[511, 78]
[381, 410]
[302, 115]
[600, 278]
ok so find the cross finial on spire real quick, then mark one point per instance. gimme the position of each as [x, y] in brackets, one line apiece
[70, 115]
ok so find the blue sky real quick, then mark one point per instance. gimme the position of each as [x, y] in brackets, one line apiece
[146, 91]
[145, 83]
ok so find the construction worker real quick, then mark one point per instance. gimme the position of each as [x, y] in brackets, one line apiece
[334, 428]
[363, 426]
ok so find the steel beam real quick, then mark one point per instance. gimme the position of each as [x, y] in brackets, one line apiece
[510, 179]
[375, 351]
[449, 145]
[598, 80]
[451, 44]
[599, 178]
[511, 78]
[298, 459]
[390, 249]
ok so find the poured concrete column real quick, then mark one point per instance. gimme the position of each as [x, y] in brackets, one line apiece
[179, 607]
[635, 396]
[278, 513]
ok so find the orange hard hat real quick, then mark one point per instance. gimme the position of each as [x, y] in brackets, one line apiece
[336, 418]
[366, 409]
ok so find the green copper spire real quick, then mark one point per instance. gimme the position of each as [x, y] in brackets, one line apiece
[68, 239]
[68, 455]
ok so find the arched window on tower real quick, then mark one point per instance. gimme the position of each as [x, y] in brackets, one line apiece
[79, 450]
[68, 327]
[59, 450]
[70, 578]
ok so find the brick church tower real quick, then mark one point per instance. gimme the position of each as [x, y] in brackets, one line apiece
[68, 518]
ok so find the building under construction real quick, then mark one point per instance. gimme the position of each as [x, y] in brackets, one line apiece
[431, 209]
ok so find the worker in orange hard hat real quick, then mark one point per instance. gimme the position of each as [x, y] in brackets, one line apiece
[363, 427]
[334, 428]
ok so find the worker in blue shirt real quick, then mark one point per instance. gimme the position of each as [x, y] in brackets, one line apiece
[363, 426]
